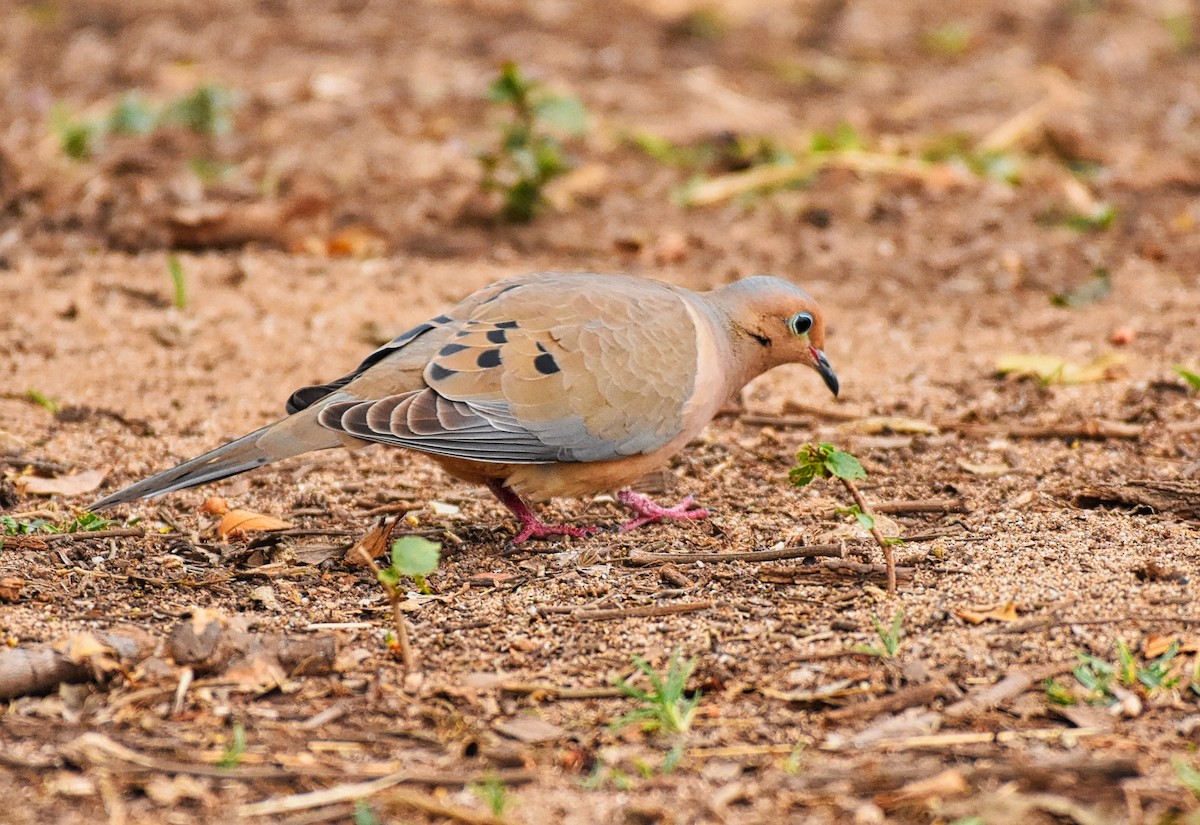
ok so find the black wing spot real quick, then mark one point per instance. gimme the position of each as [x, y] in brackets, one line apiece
[441, 319]
[546, 364]
[452, 348]
[507, 324]
[488, 358]
[405, 337]
[497, 336]
[439, 373]
[540, 348]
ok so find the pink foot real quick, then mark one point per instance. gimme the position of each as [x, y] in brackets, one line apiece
[649, 512]
[533, 527]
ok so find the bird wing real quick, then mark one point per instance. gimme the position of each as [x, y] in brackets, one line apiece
[569, 367]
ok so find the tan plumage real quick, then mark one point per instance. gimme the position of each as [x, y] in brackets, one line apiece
[544, 385]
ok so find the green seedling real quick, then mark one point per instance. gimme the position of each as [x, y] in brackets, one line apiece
[1099, 678]
[665, 707]
[207, 110]
[826, 461]
[44, 401]
[1000, 166]
[1192, 378]
[844, 138]
[949, 40]
[889, 637]
[493, 793]
[235, 748]
[178, 282]
[1094, 291]
[410, 556]
[1097, 220]
[530, 153]
[1181, 29]
[363, 813]
[603, 775]
[1058, 694]
[1187, 774]
[82, 523]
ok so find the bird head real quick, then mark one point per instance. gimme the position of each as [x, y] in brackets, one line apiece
[777, 323]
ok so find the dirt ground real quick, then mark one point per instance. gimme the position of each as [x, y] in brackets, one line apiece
[342, 205]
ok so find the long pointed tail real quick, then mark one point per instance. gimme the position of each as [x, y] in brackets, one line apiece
[296, 434]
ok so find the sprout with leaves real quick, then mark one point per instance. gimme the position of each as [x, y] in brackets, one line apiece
[414, 557]
[827, 461]
[530, 154]
[665, 706]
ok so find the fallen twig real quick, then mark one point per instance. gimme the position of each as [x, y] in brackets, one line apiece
[1012, 685]
[554, 691]
[84, 535]
[833, 569]
[1094, 429]
[808, 551]
[639, 612]
[923, 505]
[911, 696]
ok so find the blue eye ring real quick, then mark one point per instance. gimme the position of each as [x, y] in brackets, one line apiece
[800, 323]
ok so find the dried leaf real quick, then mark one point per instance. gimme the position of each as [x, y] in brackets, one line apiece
[214, 506]
[949, 782]
[84, 648]
[1051, 369]
[530, 729]
[10, 588]
[371, 546]
[999, 612]
[72, 485]
[441, 508]
[1156, 645]
[984, 469]
[356, 241]
[875, 425]
[247, 521]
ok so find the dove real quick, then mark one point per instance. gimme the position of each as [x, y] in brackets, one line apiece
[544, 386]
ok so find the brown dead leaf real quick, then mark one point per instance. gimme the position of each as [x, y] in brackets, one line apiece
[356, 241]
[371, 546]
[947, 783]
[1051, 369]
[72, 485]
[530, 729]
[84, 648]
[983, 469]
[878, 424]
[10, 588]
[247, 521]
[1156, 645]
[999, 612]
[214, 506]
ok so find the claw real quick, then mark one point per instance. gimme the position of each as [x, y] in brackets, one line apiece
[648, 511]
[533, 527]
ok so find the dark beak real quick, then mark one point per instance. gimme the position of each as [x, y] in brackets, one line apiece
[827, 373]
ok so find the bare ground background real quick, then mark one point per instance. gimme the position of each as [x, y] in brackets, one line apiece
[343, 206]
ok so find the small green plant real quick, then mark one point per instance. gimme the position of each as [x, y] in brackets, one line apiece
[363, 813]
[1094, 291]
[1096, 220]
[206, 110]
[1098, 677]
[178, 282]
[235, 748]
[1181, 28]
[949, 40]
[889, 637]
[42, 400]
[666, 706]
[990, 164]
[843, 138]
[530, 153]
[1058, 694]
[1188, 775]
[412, 556]
[1192, 378]
[493, 793]
[603, 775]
[826, 461]
[82, 523]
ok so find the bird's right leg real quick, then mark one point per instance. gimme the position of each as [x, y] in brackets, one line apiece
[533, 527]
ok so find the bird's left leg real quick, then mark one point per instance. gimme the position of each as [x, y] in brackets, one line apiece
[647, 511]
[533, 527]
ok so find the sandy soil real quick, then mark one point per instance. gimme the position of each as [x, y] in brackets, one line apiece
[345, 207]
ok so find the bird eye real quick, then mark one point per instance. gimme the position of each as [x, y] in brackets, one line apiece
[800, 323]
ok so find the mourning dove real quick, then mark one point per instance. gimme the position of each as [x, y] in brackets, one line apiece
[545, 385]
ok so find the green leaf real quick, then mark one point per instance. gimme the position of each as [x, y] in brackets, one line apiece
[1095, 290]
[390, 576]
[178, 282]
[1192, 378]
[843, 465]
[363, 815]
[563, 112]
[1189, 777]
[866, 520]
[131, 116]
[415, 556]
[44, 401]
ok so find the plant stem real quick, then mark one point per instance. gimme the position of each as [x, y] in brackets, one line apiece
[889, 557]
[394, 598]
